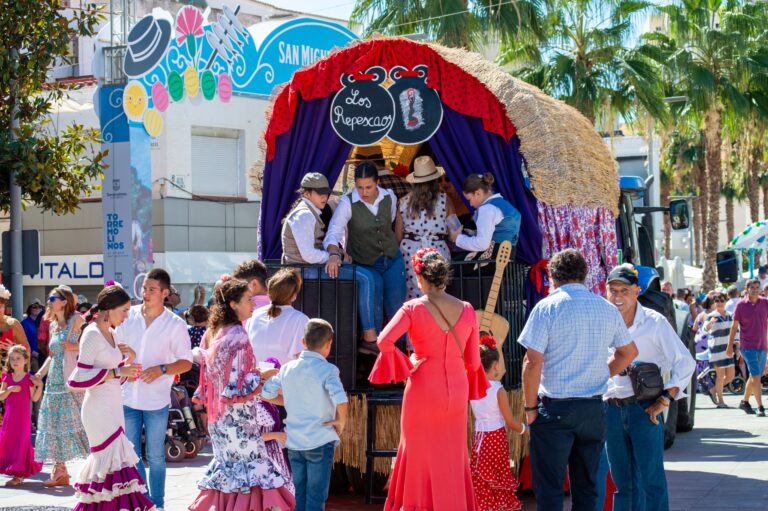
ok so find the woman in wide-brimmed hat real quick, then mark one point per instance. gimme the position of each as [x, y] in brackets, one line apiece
[421, 217]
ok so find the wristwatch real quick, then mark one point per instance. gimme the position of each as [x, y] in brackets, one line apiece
[163, 368]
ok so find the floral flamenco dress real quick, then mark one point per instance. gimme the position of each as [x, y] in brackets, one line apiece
[109, 480]
[60, 433]
[243, 475]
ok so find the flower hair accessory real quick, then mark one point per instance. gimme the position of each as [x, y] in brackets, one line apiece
[489, 341]
[225, 277]
[4, 293]
[417, 260]
[400, 170]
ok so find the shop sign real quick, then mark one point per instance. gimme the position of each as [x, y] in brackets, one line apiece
[79, 270]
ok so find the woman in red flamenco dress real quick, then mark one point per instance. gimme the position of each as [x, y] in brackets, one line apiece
[432, 466]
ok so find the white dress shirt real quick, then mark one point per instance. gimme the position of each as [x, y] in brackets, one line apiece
[487, 217]
[343, 214]
[278, 337]
[302, 223]
[657, 343]
[165, 341]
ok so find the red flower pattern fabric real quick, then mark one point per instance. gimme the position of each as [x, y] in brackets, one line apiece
[591, 231]
[458, 89]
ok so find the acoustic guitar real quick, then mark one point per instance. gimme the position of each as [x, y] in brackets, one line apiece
[490, 322]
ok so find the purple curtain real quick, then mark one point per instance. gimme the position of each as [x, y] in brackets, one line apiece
[310, 145]
[463, 147]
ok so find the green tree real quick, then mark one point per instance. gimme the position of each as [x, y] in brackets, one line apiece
[587, 62]
[713, 47]
[456, 23]
[54, 167]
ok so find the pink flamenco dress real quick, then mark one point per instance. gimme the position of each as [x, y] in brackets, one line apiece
[244, 475]
[109, 480]
[17, 456]
[431, 470]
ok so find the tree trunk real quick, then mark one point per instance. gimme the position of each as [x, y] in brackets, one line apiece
[700, 210]
[753, 185]
[712, 146]
[765, 198]
[729, 229]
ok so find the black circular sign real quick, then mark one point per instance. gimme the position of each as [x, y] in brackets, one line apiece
[418, 109]
[363, 111]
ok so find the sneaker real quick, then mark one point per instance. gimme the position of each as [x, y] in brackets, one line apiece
[744, 405]
[760, 411]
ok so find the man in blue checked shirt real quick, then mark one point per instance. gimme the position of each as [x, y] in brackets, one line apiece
[565, 374]
[316, 404]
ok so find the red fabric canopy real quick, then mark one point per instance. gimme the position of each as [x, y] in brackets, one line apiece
[458, 89]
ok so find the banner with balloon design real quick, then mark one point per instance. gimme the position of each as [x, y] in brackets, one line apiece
[200, 57]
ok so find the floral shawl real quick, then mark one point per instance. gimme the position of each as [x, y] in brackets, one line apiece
[228, 372]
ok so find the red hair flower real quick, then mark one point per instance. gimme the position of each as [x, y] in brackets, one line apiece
[400, 170]
[489, 341]
[417, 260]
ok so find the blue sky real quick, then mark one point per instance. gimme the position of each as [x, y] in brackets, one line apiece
[333, 8]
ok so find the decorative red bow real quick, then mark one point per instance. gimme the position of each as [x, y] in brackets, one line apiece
[489, 341]
[538, 274]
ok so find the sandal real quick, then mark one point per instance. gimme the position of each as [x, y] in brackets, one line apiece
[16, 481]
[722, 405]
[58, 478]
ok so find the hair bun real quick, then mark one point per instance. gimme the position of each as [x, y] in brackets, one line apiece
[488, 178]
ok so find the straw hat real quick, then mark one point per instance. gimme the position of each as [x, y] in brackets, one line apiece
[424, 170]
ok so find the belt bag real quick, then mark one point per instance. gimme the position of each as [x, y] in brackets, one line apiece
[646, 381]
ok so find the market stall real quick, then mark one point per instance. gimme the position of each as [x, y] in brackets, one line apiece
[547, 160]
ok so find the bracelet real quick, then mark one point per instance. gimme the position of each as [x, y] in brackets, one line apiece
[531, 408]
[664, 401]
[337, 254]
[524, 428]
[117, 372]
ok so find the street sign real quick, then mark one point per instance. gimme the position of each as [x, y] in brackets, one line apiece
[30, 253]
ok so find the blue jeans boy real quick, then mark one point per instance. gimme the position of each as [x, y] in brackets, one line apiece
[155, 424]
[312, 476]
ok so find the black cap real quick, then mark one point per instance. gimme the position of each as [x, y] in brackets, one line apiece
[625, 274]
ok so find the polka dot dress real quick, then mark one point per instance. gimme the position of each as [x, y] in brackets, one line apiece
[426, 230]
[491, 476]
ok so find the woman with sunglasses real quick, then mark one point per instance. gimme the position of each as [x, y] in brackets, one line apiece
[718, 327]
[60, 433]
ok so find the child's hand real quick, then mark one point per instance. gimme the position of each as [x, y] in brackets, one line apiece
[337, 424]
[14, 388]
[268, 373]
[278, 436]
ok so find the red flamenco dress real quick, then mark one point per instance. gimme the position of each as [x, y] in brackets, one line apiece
[432, 466]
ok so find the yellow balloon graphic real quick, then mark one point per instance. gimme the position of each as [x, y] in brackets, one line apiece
[191, 81]
[153, 122]
[134, 100]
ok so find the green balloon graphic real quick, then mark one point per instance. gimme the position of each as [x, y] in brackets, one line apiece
[175, 86]
[208, 83]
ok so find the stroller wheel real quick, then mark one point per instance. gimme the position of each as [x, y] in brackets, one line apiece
[736, 386]
[174, 450]
[190, 449]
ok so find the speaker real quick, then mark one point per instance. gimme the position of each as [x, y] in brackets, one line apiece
[336, 302]
[727, 266]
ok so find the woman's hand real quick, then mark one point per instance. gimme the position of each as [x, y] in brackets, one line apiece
[278, 436]
[453, 234]
[416, 362]
[6, 344]
[127, 352]
[131, 372]
[332, 266]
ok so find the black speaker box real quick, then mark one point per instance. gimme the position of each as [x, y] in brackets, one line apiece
[727, 266]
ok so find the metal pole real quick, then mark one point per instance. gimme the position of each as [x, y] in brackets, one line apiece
[690, 231]
[17, 290]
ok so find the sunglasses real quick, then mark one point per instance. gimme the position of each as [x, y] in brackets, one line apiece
[720, 300]
[55, 298]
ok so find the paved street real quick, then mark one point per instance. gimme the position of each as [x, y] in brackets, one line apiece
[721, 465]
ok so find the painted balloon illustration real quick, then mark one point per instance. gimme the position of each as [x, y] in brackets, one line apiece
[191, 82]
[225, 88]
[160, 97]
[208, 84]
[153, 122]
[134, 100]
[176, 86]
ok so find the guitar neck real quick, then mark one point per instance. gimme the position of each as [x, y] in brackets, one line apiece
[493, 294]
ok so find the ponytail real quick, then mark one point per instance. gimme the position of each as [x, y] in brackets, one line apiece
[282, 287]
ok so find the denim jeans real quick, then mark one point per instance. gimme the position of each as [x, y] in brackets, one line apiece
[312, 476]
[388, 282]
[366, 297]
[636, 455]
[602, 480]
[155, 424]
[567, 435]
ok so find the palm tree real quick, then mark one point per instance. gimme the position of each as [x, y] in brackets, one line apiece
[586, 60]
[456, 23]
[711, 47]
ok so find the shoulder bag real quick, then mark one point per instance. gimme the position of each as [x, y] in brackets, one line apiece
[646, 381]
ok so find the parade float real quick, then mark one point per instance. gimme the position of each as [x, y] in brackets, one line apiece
[399, 95]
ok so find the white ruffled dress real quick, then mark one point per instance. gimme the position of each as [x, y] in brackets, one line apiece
[109, 480]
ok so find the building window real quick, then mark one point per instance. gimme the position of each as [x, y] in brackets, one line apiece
[217, 163]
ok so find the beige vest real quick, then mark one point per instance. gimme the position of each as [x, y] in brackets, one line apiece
[291, 254]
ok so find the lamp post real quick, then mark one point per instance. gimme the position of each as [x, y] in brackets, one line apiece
[17, 288]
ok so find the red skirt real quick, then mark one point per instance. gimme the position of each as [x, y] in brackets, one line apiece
[491, 476]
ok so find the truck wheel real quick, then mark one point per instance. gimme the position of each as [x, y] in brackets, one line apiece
[686, 407]
[670, 425]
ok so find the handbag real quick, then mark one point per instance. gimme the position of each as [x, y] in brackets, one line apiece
[646, 381]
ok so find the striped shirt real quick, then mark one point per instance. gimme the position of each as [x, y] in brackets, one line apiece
[574, 328]
[718, 336]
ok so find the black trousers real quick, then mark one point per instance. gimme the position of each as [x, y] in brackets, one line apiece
[567, 435]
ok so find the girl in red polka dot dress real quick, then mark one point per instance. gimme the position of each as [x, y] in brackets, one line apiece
[491, 476]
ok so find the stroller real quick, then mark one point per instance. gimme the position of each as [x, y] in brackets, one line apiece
[186, 435]
[707, 376]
